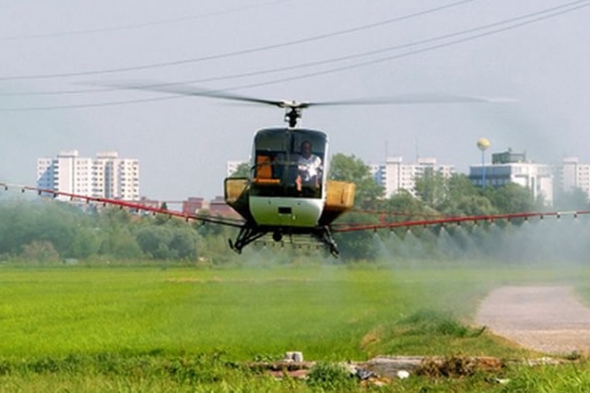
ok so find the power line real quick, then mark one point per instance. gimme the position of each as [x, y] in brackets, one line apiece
[240, 52]
[560, 11]
[138, 25]
[543, 14]
[584, 4]
[565, 8]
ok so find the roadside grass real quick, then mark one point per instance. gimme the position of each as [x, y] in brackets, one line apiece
[170, 328]
[210, 373]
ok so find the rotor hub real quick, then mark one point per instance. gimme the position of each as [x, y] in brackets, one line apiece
[292, 115]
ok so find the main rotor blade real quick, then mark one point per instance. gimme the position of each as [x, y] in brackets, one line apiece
[182, 89]
[414, 99]
[401, 99]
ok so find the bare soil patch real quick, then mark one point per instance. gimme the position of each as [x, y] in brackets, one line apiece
[543, 318]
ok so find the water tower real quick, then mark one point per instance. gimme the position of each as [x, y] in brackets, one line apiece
[483, 144]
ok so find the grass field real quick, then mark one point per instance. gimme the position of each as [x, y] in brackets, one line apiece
[149, 328]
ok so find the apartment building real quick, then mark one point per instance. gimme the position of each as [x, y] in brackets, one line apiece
[394, 175]
[105, 176]
[571, 174]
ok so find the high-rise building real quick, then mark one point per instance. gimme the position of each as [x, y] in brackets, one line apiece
[571, 174]
[394, 175]
[106, 176]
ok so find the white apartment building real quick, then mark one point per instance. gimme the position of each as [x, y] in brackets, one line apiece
[394, 175]
[509, 167]
[572, 174]
[106, 176]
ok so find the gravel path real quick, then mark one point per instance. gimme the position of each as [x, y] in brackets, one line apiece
[544, 318]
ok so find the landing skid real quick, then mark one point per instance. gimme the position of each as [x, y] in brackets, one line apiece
[324, 235]
[249, 234]
[246, 236]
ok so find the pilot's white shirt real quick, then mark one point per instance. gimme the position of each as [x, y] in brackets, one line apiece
[309, 167]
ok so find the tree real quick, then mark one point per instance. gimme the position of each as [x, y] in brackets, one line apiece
[85, 243]
[40, 251]
[23, 222]
[459, 185]
[243, 170]
[471, 205]
[511, 198]
[168, 241]
[184, 242]
[354, 170]
[464, 199]
[357, 245]
[154, 241]
[114, 226]
[454, 196]
[575, 199]
[431, 187]
[119, 242]
[402, 206]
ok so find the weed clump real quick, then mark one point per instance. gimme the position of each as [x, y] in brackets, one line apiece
[459, 366]
[438, 322]
[331, 377]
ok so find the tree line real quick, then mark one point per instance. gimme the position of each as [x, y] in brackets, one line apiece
[44, 230]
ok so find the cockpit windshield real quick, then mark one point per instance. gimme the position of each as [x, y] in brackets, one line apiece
[289, 163]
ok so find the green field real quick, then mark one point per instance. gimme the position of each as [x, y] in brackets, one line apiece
[156, 328]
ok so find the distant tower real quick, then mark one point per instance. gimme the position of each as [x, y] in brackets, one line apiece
[483, 144]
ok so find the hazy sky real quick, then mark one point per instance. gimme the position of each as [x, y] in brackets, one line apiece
[54, 54]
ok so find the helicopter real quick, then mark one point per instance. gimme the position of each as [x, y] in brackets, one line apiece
[274, 199]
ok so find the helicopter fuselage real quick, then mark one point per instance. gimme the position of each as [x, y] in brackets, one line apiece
[286, 211]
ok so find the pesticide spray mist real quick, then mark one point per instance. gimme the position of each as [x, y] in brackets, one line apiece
[544, 241]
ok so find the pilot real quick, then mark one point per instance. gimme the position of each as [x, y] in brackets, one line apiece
[309, 168]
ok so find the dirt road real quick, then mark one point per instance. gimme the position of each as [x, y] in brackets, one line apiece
[544, 318]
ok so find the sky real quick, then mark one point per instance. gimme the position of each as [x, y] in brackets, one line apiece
[57, 60]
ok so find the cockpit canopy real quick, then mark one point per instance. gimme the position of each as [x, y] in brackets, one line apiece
[279, 165]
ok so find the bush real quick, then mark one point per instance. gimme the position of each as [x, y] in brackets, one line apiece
[330, 376]
[41, 251]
